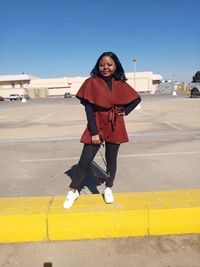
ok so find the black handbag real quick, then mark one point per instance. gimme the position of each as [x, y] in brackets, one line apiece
[97, 171]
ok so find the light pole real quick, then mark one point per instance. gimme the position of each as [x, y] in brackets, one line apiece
[174, 85]
[134, 69]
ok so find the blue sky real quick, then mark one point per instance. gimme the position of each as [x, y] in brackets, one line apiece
[57, 38]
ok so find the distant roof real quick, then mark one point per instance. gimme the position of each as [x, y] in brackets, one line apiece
[157, 77]
[17, 77]
[154, 76]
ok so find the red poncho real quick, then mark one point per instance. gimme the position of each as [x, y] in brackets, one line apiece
[107, 104]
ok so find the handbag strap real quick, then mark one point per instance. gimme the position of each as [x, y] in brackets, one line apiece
[104, 161]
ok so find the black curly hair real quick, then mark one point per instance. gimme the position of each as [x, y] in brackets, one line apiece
[119, 73]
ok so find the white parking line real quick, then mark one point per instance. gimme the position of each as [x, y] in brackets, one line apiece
[45, 117]
[49, 159]
[3, 117]
[173, 126]
[160, 154]
[120, 156]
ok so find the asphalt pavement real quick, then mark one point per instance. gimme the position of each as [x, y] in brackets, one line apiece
[39, 144]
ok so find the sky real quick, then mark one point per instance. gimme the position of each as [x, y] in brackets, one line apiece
[64, 38]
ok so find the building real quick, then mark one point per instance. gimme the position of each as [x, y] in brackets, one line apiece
[144, 81]
[35, 87]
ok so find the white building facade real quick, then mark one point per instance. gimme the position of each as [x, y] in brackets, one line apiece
[35, 87]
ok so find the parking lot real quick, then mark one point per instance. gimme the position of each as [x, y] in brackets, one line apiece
[39, 144]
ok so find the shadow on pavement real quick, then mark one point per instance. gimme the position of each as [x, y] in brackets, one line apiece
[89, 181]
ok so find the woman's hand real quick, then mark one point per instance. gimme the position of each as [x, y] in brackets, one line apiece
[121, 113]
[95, 139]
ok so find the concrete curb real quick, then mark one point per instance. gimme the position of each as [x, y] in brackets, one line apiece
[132, 214]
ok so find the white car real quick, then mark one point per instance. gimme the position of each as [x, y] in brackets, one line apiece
[15, 97]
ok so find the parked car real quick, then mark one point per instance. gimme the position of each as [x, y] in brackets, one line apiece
[194, 89]
[67, 95]
[194, 92]
[2, 98]
[15, 97]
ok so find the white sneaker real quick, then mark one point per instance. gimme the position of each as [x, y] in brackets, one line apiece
[71, 197]
[108, 196]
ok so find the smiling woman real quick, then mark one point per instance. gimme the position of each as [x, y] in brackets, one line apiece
[108, 62]
[107, 67]
[107, 98]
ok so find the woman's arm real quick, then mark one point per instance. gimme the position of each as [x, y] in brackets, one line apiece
[129, 107]
[90, 117]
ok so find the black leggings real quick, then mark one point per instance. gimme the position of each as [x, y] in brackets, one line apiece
[88, 153]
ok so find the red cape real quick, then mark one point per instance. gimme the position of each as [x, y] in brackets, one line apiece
[95, 90]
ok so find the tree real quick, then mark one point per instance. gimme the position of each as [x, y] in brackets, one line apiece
[196, 77]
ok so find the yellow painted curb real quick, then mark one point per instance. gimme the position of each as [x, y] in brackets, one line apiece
[91, 218]
[174, 212]
[23, 219]
[132, 214]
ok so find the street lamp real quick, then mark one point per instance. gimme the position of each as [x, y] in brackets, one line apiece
[134, 69]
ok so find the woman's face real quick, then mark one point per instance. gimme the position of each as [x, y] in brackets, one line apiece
[107, 67]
